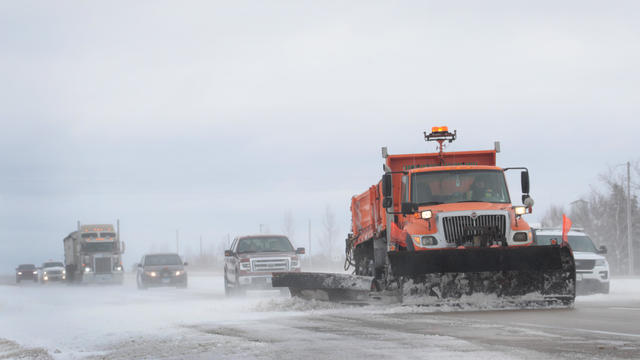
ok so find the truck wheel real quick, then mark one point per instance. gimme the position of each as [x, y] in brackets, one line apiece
[227, 289]
[141, 285]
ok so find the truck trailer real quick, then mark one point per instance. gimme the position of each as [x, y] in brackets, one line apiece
[93, 254]
[440, 228]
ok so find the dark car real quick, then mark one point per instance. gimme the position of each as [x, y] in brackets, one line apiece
[161, 270]
[26, 272]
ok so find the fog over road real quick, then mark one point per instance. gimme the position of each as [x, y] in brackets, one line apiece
[113, 322]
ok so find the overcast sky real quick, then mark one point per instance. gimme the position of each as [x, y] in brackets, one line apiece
[215, 117]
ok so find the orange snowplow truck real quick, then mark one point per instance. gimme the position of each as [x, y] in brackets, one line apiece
[441, 226]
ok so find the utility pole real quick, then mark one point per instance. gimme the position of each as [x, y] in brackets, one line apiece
[309, 252]
[629, 242]
[178, 241]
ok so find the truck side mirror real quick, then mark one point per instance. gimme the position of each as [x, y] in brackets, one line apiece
[408, 208]
[602, 250]
[228, 253]
[386, 185]
[300, 251]
[524, 181]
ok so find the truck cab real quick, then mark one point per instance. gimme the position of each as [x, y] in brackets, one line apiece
[93, 253]
[452, 206]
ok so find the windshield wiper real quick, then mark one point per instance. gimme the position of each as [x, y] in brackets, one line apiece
[431, 203]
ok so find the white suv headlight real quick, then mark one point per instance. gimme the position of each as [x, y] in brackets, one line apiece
[601, 262]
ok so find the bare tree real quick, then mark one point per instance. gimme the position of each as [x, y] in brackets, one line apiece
[288, 227]
[553, 216]
[329, 232]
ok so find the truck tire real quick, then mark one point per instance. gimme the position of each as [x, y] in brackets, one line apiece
[227, 289]
[141, 285]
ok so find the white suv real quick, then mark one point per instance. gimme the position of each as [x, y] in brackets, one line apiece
[592, 269]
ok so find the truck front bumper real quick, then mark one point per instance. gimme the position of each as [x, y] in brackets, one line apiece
[592, 281]
[116, 277]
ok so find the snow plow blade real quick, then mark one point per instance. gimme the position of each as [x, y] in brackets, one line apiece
[509, 274]
[325, 286]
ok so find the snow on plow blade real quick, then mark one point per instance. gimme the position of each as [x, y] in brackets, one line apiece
[529, 274]
[324, 286]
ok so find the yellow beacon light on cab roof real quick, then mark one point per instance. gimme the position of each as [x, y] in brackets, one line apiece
[440, 129]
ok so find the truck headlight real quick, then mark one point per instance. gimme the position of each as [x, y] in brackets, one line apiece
[45, 273]
[601, 262]
[520, 210]
[295, 263]
[19, 272]
[425, 240]
[35, 273]
[426, 214]
[118, 268]
[64, 271]
[87, 269]
[520, 237]
[179, 272]
[245, 265]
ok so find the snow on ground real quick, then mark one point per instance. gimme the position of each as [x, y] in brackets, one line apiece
[83, 322]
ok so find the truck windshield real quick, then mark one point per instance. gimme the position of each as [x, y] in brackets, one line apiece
[26, 267]
[264, 244]
[580, 243]
[89, 235]
[108, 234]
[164, 259]
[98, 246]
[446, 187]
[52, 264]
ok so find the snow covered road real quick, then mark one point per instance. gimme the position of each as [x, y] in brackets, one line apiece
[113, 322]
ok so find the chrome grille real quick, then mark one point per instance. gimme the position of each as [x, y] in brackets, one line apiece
[276, 264]
[457, 228]
[54, 272]
[103, 265]
[585, 264]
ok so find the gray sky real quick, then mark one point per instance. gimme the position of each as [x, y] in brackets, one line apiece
[215, 117]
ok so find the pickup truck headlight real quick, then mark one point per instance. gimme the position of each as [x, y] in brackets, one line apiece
[179, 272]
[151, 273]
[295, 263]
[35, 273]
[87, 269]
[601, 262]
[19, 272]
[245, 265]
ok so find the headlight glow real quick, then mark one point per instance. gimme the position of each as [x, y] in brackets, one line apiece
[64, 271]
[19, 272]
[426, 214]
[152, 273]
[87, 269]
[178, 273]
[45, 273]
[35, 273]
[520, 210]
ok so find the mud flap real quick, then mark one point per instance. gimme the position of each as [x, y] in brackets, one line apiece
[532, 273]
[325, 286]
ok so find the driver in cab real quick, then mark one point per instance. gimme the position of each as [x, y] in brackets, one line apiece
[481, 190]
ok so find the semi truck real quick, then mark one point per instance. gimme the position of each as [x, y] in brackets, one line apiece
[93, 254]
[441, 227]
